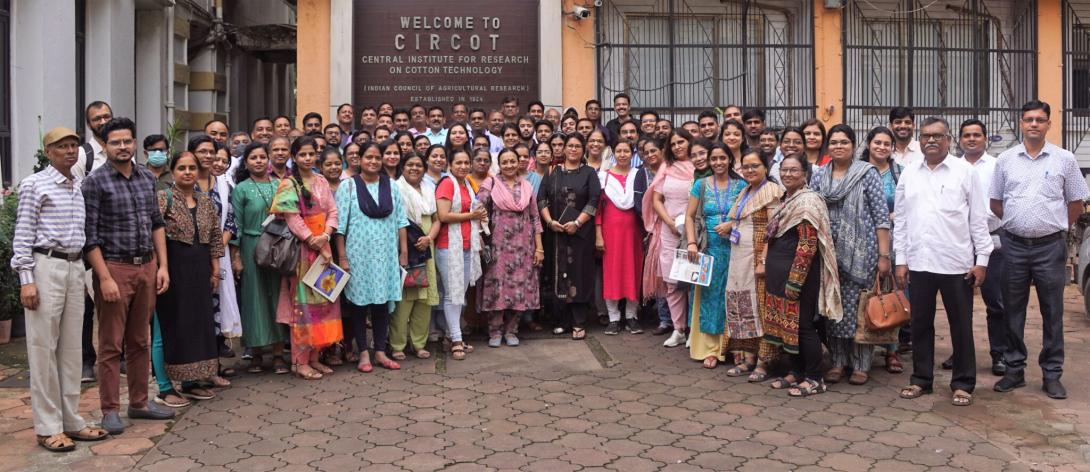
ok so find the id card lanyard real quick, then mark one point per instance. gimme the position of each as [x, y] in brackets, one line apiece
[735, 235]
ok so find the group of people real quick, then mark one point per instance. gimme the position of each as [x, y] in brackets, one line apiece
[525, 219]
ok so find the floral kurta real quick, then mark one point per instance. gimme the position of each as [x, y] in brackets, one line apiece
[371, 246]
[511, 282]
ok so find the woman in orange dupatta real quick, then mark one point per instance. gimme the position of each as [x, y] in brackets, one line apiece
[305, 201]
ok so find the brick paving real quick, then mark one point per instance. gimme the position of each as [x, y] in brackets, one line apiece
[615, 403]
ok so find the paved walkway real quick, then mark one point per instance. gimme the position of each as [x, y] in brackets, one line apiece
[620, 403]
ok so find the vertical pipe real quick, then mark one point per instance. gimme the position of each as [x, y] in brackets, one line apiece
[670, 18]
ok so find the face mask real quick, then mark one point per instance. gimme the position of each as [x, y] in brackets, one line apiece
[238, 149]
[157, 158]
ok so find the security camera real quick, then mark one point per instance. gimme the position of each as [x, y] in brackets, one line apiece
[598, 3]
[580, 13]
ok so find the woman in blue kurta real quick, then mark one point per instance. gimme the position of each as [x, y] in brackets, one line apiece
[709, 308]
[371, 241]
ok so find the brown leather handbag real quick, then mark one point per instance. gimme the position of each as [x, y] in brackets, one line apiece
[887, 309]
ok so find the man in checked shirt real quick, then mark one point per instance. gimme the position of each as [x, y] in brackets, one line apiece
[126, 248]
[47, 253]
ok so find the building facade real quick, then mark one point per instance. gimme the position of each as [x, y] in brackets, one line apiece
[168, 64]
[838, 60]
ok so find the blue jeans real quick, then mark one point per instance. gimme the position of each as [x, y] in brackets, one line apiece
[664, 312]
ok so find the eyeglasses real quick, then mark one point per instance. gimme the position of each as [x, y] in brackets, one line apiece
[1032, 119]
[925, 137]
[789, 171]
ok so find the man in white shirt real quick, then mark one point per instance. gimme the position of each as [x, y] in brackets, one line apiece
[942, 245]
[973, 141]
[1038, 191]
[436, 133]
[92, 154]
[906, 149]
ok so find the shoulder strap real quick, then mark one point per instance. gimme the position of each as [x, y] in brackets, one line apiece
[89, 156]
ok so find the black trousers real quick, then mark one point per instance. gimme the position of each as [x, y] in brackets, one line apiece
[999, 338]
[357, 325]
[573, 314]
[807, 363]
[89, 356]
[1043, 266]
[957, 298]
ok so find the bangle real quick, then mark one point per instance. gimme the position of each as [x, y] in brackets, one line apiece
[690, 242]
[540, 250]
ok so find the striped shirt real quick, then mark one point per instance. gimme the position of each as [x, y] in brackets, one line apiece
[50, 216]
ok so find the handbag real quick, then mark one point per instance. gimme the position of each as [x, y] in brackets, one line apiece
[699, 228]
[277, 249]
[416, 256]
[887, 310]
[416, 276]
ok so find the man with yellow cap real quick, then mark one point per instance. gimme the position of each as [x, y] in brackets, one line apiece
[47, 254]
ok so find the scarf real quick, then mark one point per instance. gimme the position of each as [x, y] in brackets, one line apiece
[759, 197]
[653, 285]
[807, 206]
[451, 259]
[418, 203]
[855, 256]
[385, 204]
[503, 199]
[623, 197]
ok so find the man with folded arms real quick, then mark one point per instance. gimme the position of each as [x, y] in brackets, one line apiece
[940, 237]
[126, 240]
[47, 253]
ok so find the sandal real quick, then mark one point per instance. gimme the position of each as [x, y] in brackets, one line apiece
[858, 378]
[458, 352]
[389, 364]
[834, 375]
[88, 433]
[197, 393]
[710, 362]
[351, 356]
[312, 375]
[255, 365]
[398, 355]
[57, 443]
[741, 369]
[468, 348]
[961, 398]
[324, 369]
[759, 375]
[558, 331]
[227, 372]
[219, 382]
[914, 391]
[780, 383]
[813, 387]
[578, 334]
[365, 367]
[893, 364]
[422, 354]
[280, 366]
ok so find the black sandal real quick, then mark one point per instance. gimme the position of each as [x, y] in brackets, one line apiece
[741, 369]
[255, 365]
[280, 366]
[813, 387]
[780, 383]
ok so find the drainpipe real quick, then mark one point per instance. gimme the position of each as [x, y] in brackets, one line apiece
[168, 14]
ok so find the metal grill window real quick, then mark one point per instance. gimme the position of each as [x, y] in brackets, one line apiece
[1076, 34]
[681, 57]
[959, 60]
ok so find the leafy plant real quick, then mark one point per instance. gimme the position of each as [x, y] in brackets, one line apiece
[42, 159]
[9, 279]
[174, 133]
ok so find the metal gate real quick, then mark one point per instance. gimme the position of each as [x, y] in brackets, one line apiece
[956, 59]
[1076, 110]
[681, 57]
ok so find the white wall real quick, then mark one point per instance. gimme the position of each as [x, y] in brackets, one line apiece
[111, 55]
[154, 72]
[43, 68]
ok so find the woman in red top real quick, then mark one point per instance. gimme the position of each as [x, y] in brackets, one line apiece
[458, 246]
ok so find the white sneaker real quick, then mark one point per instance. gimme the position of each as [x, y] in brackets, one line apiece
[675, 339]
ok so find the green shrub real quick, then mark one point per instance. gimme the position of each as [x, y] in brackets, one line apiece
[9, 280]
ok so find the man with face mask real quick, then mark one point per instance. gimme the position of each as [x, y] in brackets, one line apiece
[158, 161]
[235, 144]
[92, 154]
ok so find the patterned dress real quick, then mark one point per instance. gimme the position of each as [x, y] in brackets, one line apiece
[744, 308]
[791, 263]
[371, 246]
[511, 282]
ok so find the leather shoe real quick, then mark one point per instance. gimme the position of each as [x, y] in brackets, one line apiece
[662, 329]
[1054, 389]
[151, 412]
[1009, 382]
[999, 368]
[111, 422]
[87, 374]
[948, 364]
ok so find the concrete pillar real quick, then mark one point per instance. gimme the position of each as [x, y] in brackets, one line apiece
[340, 56]
[312, 53]
[152, 68]
[579, 74]
[828, 64]
[111, 54]
[43, 70]
[1050, 64]
[551, 65]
